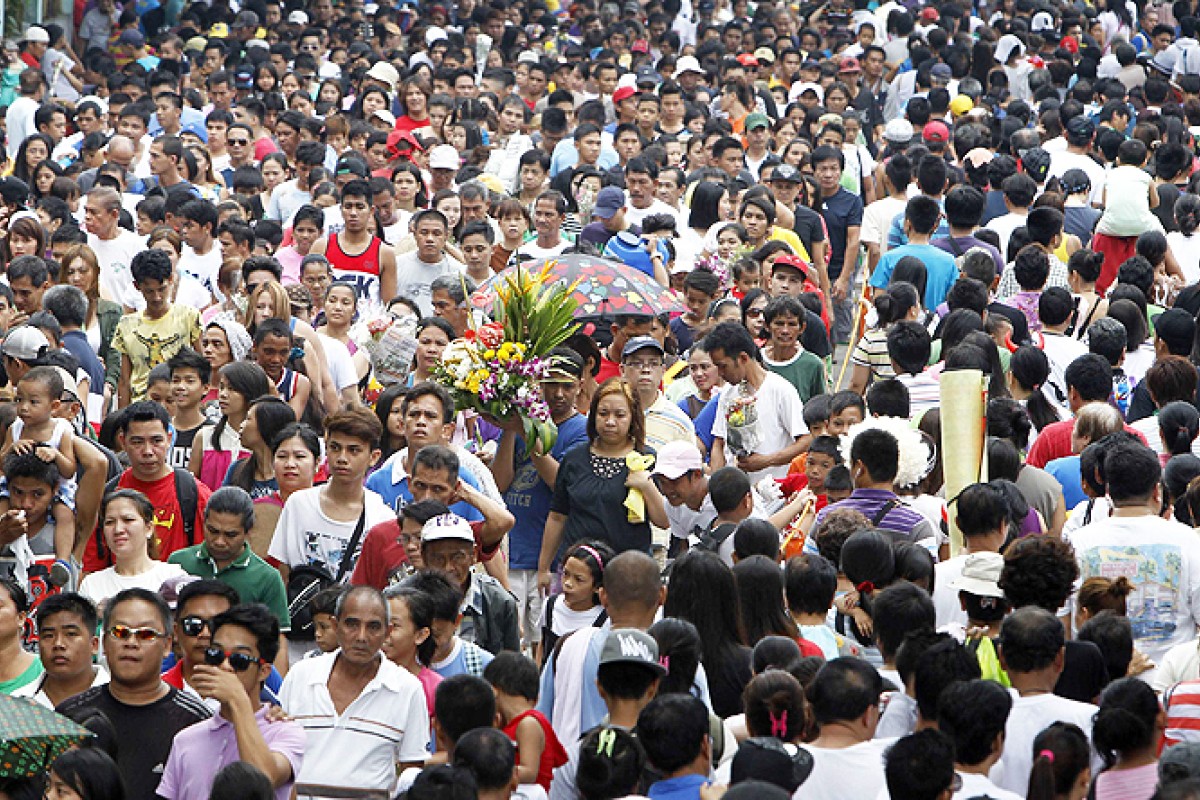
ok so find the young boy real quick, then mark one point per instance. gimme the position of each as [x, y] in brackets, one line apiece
[700, 288]
[190, 373]
[810, 583]
[306, 229]
[272, 351]
[747, 275]
[514, 679]
[838, 484]
[476, 246]
[158, 388]
[37, 431]
[453, 655]
[150, 337]
[846, 408]
[323, 609]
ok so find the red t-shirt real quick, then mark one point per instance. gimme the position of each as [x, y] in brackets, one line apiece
[608, 369]
[1055, 442]
[168, 521]
[382, 554]
[553, 754]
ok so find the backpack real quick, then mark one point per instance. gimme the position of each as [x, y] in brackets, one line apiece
[549, 637]
[712, 539]
[189, 500]
[307, 581]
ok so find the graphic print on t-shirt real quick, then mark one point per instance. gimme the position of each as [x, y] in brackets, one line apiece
[1155, 572]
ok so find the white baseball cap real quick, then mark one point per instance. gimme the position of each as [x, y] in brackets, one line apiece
[298, 18]
[688, 64]
[36, 34]
[444, 156]
[383, 71]
[447, 526]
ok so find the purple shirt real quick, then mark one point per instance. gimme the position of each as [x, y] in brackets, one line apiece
[200, 751]
[905, 522]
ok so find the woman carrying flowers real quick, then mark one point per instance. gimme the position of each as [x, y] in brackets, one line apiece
[605, 491]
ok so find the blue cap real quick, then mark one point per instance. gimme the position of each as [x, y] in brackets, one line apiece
[197, 129]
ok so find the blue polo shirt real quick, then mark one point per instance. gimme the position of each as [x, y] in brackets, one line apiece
[390, 482]
[940, 270]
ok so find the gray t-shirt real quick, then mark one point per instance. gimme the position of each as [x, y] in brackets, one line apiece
[413, 277]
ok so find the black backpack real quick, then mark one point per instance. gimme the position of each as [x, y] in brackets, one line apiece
[189, 500]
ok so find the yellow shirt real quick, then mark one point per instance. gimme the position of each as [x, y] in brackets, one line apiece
[149, 343]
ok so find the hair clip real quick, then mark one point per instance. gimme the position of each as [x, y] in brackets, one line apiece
[606, 740]
[778, 724]
[665, 662]
[1048, 755]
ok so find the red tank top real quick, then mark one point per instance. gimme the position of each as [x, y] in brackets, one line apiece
[361, 270]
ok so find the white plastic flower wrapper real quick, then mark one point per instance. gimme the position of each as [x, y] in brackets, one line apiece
[915, 454]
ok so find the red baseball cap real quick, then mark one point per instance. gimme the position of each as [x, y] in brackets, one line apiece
[930, 14]
[849, 64]
[747, 60]
[623, 93]
[935, 131]
[793, 261]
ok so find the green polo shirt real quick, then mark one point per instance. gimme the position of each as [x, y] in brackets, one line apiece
[256, 581]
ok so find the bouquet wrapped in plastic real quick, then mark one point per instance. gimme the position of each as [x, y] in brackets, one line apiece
[742, 436]
[391, 344]
[496, 369]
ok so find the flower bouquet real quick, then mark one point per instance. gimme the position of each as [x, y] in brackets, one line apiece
[496, 369]
[742, 436]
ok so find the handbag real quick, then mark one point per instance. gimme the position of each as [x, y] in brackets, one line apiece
[307, 581]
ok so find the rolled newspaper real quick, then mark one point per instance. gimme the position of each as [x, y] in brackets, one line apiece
[964, 429]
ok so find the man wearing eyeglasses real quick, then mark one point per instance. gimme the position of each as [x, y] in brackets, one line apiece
[145, 713]
[642, 365]
[489, 611]
[236, 663]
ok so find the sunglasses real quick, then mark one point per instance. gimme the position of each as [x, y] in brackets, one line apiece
[215, 657]
[192, 625]
[125, 633]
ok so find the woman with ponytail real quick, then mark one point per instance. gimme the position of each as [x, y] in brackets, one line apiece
[1101, 594]
[1184, 243]
[900, 301]
[1083, 270]
[1126, 733]
[1178, 427]
[1061, 764]
[775, 706]
[1028, 372]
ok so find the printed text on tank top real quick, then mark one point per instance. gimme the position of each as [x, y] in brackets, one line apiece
[359, 269]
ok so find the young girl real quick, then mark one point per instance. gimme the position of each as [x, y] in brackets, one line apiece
[1129, 196]
[266, 418]
[1126, 733]
[1061, 764]
[387, 408]
[514, 679]
[410, 643]
[38, 430]
[578, 606]
[514, 221]
[730, 238]
[611, 762]
[215, 448]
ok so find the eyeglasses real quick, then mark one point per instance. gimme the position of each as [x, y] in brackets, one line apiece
[125, 633]
[216, 656]
[193, 625]
[754, 312]
[644, 366]
[237, 142]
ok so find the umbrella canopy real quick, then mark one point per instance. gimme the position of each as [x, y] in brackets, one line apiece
[604, 288]
[32, 736]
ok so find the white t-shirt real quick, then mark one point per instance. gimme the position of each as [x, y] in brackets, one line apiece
[1060, 352]
[851, 772]
[413, 277]
[877, 219]
[1004, 226]
[1186, 250]
[636, 216]
[1029, 717]
[115, 257]
[1062, 161]
[975, 785]
[945, 600]
[100, 586]
[205, 268]
[780, 420]
[341, 363]
[1161, 558]
[305, 535]
[18, 122]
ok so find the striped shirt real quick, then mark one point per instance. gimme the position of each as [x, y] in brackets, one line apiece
[906, 522]
[667, 422]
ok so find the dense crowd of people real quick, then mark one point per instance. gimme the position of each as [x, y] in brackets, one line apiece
[251, 541]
